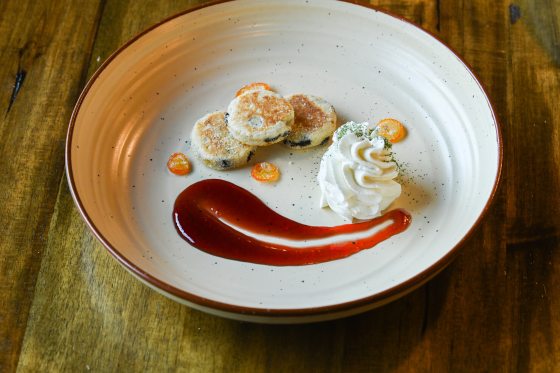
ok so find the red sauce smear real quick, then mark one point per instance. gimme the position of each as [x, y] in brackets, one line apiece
[201, 209]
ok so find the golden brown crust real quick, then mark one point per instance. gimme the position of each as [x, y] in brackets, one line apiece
[214, 145]
[271, 109]
[260, 118]
[315, 121]
[214, 130]
[308, 115]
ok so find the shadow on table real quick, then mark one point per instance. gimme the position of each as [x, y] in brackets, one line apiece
[380, 340]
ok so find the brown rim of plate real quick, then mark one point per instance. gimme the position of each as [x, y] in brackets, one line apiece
[379, 298]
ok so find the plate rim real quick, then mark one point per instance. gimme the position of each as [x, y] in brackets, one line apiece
[380, 298]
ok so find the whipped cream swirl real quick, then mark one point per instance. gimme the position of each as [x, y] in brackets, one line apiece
[357, 172]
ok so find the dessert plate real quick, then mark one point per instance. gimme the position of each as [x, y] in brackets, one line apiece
[139, 108]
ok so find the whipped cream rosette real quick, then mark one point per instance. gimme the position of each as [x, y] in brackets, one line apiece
[357, 173]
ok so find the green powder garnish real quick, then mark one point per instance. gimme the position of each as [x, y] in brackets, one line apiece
[358, 129]
[363, 131]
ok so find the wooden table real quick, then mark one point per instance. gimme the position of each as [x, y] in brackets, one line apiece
[68, 306]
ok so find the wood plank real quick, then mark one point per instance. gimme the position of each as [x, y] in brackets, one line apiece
[533, 203]
[45, 48]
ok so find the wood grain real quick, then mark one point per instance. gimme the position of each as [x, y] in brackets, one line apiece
[68, 306]
[533, 204]
[51, 43]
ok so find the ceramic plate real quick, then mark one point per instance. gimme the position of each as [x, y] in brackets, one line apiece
[140, 106]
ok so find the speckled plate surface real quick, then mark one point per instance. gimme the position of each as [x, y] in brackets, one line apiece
[140, 106]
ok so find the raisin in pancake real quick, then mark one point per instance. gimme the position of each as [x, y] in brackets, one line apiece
[213, 143]
[260, 118]
[314, 124]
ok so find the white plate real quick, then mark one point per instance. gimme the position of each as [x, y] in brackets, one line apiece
[141, 104]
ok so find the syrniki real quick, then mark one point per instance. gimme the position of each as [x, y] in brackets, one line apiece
[314, 123]
[259, 117]
[215, 146]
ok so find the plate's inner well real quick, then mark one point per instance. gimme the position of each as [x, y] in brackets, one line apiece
[141, 108]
